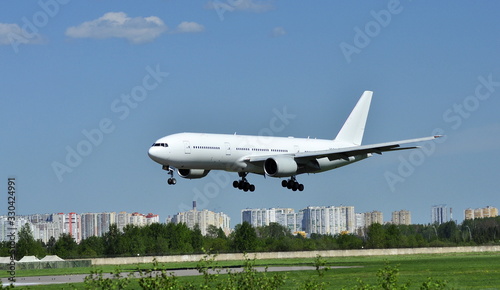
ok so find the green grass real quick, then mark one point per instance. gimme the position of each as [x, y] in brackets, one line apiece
[461, 270]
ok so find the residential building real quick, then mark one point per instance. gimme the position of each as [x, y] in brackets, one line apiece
[328, 220]
[373, 217]
[96, 224]
[402, 217]
[203, 219]
[287, 217]
[441, 214]
[484, 212]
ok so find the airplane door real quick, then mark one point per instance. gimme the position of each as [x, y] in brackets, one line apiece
[296, 148]
[187, 147]
[228, 148]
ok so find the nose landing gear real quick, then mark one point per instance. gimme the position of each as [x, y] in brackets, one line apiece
[171, 180]
[243, 184]
[292, 184]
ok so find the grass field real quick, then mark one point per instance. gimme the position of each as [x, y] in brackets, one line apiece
[461, 270]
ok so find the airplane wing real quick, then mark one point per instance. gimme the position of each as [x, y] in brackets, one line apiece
[345, 153]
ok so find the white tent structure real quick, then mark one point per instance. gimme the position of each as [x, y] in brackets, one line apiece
[27, 259]
[51, 258]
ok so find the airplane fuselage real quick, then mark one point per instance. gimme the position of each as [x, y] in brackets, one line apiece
[230, 152]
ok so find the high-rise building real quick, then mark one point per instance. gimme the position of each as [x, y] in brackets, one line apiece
[259, 217]
[328, 220]
[152, 218]
[203, 219]
[9, 229]
[402, 217]
[441, 214]
[360, 220]
[96, 224]
[122, 219]
[69, 223]
[484, 212]
[373, 217]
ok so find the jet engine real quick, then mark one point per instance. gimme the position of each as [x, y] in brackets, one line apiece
[192, 173]
[280, 166]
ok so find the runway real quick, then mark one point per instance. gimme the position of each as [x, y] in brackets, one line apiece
[79, 278]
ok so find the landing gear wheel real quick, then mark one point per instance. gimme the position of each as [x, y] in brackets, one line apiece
[171, 180]
[243, 184]
[292, 184]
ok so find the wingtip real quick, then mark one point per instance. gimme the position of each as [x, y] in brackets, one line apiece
[438, 136]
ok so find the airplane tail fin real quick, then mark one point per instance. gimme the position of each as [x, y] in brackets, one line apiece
[354, 127]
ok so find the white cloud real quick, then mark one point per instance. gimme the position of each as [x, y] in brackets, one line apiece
[189, 27]
[240, 5]
[119, 25]
[278, 31]
[11, 33]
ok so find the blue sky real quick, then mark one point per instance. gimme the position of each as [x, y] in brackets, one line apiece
[70, 67]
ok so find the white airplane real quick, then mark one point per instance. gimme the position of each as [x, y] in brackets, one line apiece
[195, 154]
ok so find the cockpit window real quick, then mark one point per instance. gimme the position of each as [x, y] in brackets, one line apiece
[159, 144]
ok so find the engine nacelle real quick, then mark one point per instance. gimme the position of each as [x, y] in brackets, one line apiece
[280, 166]
[192, 173]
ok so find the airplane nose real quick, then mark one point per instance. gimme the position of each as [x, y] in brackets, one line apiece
[151, 153]
[154, 153]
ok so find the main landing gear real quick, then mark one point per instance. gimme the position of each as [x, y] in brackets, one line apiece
[171, 180]
[292, 184]
[243, 184]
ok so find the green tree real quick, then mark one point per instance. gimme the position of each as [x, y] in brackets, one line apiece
[449, 231]
[27, 246]
[196, 239]
[112, 241]
[273, 231]
[4, 248]
[245, 237]
[349, 241]
[156, 239]
[50, 245]
[376, 236]
[132, 240]
[212, 231]
[221, 234]
[393, 237]
[91, 247]
[66, 247]
[180, 238]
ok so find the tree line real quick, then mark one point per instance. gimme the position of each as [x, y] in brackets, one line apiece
[172, 239]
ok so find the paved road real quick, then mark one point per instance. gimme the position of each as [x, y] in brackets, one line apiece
[78, 278]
